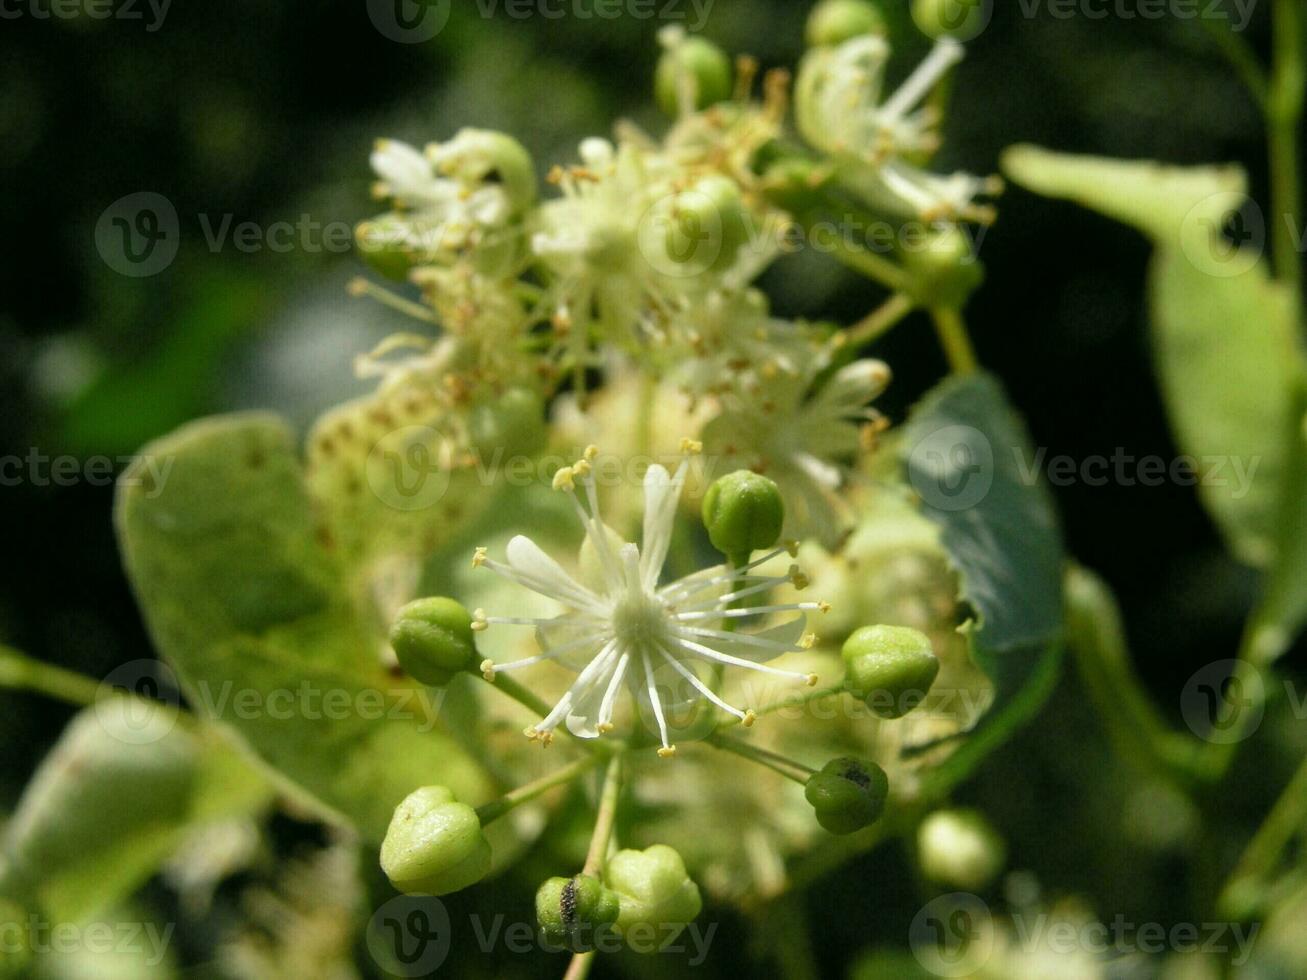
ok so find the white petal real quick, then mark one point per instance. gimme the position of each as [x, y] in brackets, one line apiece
[588, 694]
[787, 635]
[540, 573]
[661, 494]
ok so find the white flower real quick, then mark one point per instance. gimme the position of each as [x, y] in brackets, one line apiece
[839, 109]
[803, 440]
[628, 625]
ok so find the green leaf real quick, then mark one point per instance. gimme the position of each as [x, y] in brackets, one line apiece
[966, 455]
[246, 599]
[126, 781]
[1224, 334]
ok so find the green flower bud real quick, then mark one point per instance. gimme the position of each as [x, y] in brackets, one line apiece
[512, 424]
[961, 19]
[835, 21]
[434, 845]
[656, 896]
[944, 269]
[697, 65]
[847, 794]
[959, 849]
[433, 640]
[383, 242]
[572, 910]
[744, 513]
[891, 668]
[706, 225]
[794, 184]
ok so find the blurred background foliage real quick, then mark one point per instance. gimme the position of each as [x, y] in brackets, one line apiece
[266, 113]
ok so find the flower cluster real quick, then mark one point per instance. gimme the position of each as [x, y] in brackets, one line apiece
[649, 249]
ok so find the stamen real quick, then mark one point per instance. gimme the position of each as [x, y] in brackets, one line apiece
[656, 705]
[610, 695]
[726, 658]
[755, 611]
[699, 685]
[946, 53]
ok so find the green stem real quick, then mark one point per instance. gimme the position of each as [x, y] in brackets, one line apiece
[1097, 641]
[1284, 107]
[880, 321]
[870, 265]
[20, 672]
[1240, 55]
[1287, 818]
[789, 768]
[579, 967]
[520, 694]
[796, 700]
[524, 794]
[952, 332]
[597, 855]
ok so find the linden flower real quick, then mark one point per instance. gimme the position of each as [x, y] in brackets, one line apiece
[438, 216]
[626, 627]
[839, 109]
[804, 440]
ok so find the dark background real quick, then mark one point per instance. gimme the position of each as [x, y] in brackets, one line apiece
[266, 112]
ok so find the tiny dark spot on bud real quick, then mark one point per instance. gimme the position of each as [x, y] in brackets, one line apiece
[856, 775]
[568, 905]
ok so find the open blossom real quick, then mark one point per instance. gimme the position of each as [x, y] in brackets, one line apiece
[841, 108]
[803, 440]
[624, 625]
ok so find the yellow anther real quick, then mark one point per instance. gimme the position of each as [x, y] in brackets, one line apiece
[604, 727]
[691, 447]
[581, 468]
[793, 548]
[488, 669]
[667, 752]
[591, 453]
[478, 557]
[798, 579]
[812, 680]
[748, 719]
[807, 641]
[479, 620]
[563, 479]
[823, 607]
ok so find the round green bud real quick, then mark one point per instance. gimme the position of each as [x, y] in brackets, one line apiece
[835, 21]
[384, 244]
[706, 224]
[512, 424]
[847, 794]
[961, 19]
[434, 844]
[698, 64]
[891, 668]
[433, 640]
[655, 894]
[572, 911]
[960, 849]
[944, 269]
[743, 513]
